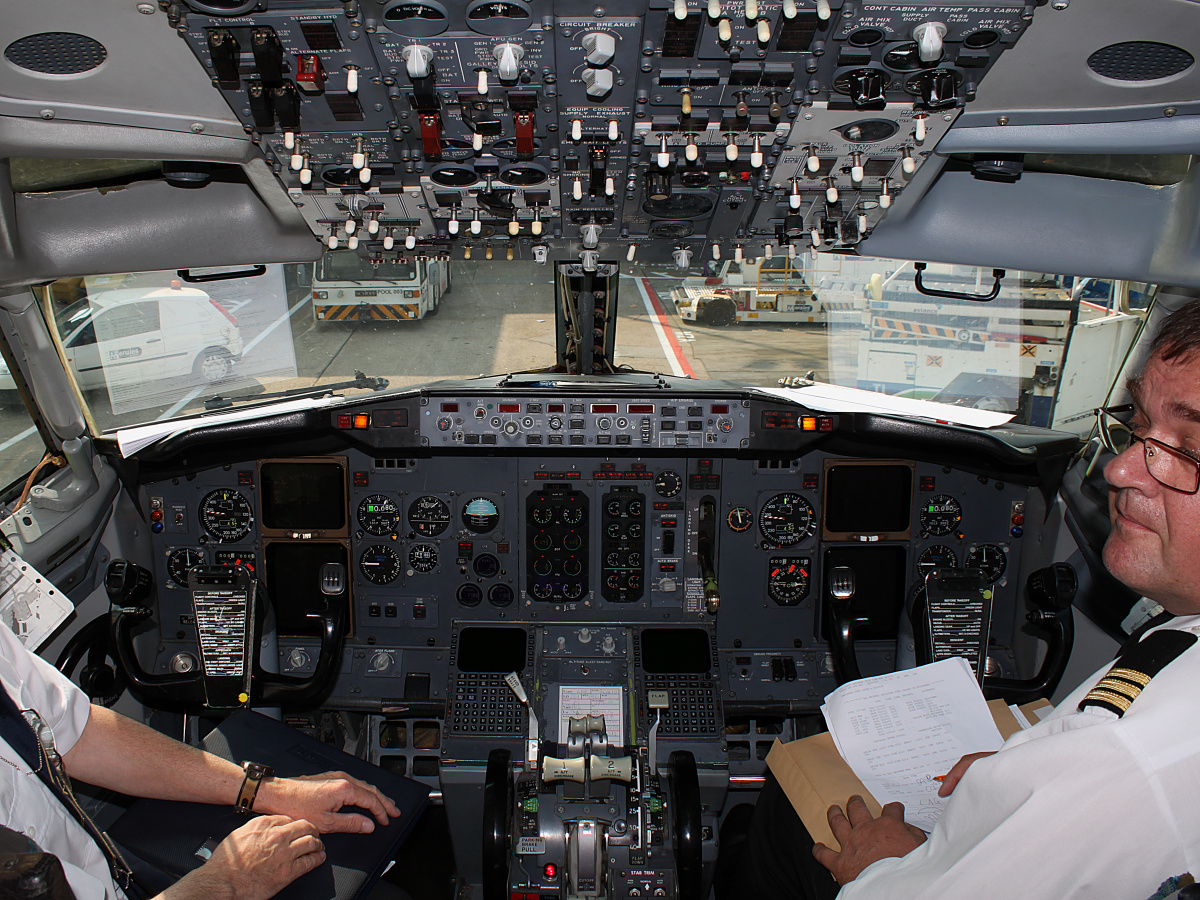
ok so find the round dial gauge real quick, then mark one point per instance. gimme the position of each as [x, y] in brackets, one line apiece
[429, 516]
[379, 564]
[226, 515]
[939, 556]
[378, 514]
[469, 594]
[990, 559]
[786, 519]
[787, 579]
[486, 565]
[500, 595]
[423, 557]
[668, 483]
[940, 515]
[480, 515]
[542, 515]
[573, 515]
[739, 519]
[180, 560]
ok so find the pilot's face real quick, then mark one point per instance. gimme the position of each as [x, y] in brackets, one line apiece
[1154, 546]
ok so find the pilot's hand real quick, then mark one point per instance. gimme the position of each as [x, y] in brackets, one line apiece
[255, 862]
[951, 779]
[319, 799]
[865, 839]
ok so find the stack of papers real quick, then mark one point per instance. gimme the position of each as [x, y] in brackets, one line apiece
[901, 730]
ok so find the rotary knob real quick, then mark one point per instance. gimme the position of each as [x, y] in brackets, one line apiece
[298, 658]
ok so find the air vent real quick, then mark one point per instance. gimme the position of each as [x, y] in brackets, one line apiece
[392, 463]
[56, 53]
[1139, 61]
[778, 463]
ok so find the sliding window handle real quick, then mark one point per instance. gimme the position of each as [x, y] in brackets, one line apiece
[841, 592]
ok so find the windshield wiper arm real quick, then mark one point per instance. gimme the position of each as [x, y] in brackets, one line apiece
[360, 381]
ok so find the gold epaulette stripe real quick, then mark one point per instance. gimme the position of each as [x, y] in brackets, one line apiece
[1130, 675]
[1120, 686]
[1099, 695]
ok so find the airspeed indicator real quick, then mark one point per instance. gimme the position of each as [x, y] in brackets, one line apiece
[786, 519]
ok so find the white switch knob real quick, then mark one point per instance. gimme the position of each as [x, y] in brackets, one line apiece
[601, 47]
[576, 129]
[823, 10]
[508, 61]
[681, 9]
[683, 258]
[417, 58]
[928, 36]
[599, 82]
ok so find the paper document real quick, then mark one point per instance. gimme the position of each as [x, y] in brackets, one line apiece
[577, 701]
[29, 604]
[836, 398]
[898, 731]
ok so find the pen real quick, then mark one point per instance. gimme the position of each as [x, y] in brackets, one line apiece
[939, 778]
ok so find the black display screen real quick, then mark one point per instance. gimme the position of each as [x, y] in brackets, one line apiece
[491, 650]
[300, 496]
[868, 499]
[675, 650]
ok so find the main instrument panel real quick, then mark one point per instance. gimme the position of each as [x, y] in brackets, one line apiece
[686, 521]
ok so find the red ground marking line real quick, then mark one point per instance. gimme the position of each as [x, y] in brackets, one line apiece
[661, 315]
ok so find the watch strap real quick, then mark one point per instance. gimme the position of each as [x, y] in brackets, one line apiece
[255, 774]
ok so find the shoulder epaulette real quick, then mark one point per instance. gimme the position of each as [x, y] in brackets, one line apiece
[1134, 668]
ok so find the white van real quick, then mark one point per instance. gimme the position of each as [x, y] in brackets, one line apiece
[116, 339]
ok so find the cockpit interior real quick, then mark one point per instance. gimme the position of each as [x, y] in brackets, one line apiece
[552, 403]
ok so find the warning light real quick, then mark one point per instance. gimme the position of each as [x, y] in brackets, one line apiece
[549, 871]
[345, 421]
[808, 423]
[362, 420]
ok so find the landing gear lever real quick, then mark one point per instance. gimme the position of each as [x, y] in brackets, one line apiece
[841, 592]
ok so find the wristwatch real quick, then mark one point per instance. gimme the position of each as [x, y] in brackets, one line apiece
[255, 773]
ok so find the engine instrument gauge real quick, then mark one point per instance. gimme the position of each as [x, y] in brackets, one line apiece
[429, 516]
[739, 519]
[939, 556]
[236, 558]
[668, 483]
[379, 564]
[378, 515]
[480, 515]
[180, 560]
[786, 519]
[787, 579]
[940, 515]
[226, 515]
[990, 559]
[500, 595]
[469, 594]
[486, 565]
[423, 557]
[573, 515]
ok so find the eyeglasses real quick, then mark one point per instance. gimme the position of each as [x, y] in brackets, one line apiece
[1169, 466]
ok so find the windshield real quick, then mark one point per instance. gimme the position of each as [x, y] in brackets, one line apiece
[148, 347]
